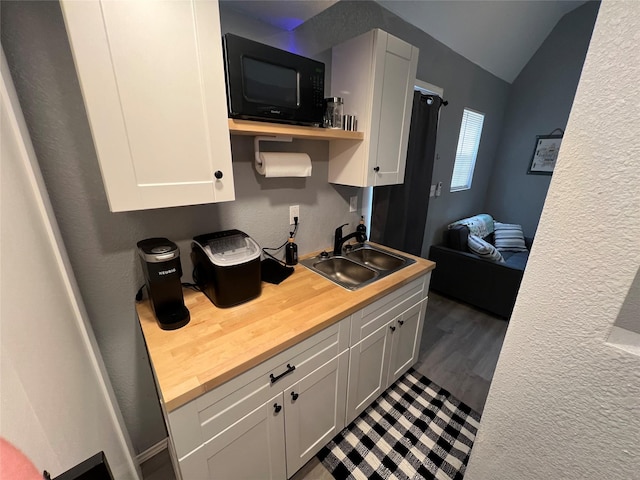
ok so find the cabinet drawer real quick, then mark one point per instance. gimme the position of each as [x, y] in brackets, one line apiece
[375, 315]
[203, 418]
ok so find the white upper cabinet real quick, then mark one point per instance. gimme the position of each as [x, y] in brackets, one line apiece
[152, 78]
[374, 73]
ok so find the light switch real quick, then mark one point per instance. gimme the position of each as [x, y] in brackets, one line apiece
[432, 191]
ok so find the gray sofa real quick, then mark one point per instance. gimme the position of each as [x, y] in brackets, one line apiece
[464, 276]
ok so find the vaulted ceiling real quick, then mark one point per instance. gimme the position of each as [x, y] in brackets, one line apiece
[501, 36]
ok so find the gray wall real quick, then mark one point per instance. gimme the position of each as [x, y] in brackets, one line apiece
[540, 101]
[101, 244]
[465, 85]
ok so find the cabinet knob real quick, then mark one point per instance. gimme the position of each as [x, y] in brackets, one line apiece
[277, 407]
[376, 169]
[294, 396]
[401, 322]
[393, 329]
[218, 174]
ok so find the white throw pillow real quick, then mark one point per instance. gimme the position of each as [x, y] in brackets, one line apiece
[484, 249]
[509, 237]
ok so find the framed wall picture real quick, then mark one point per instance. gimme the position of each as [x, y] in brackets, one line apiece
[545, 154]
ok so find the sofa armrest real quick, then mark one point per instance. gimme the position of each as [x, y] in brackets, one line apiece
[488, 285]
[528, 241]
[457, 238]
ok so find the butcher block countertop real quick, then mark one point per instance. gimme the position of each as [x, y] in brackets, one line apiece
[221, 343]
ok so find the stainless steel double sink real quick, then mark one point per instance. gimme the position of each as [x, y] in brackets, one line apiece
[358, 267]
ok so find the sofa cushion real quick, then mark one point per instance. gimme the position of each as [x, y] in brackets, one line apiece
[516, 259]
[480, 225]
[509, 237]
[484, 249]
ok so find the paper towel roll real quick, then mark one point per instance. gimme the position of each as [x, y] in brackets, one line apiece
[284, 164]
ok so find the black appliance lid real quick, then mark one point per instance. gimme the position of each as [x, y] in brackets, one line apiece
[156, 250]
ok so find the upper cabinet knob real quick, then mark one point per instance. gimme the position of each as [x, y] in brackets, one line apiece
[218, 174]
[376, 169]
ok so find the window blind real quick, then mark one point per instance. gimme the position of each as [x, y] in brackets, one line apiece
[467, 151]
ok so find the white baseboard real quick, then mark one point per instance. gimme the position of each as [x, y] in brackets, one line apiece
[152, 451]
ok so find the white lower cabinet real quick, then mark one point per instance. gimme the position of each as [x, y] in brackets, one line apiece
[276, 439]
[405, 343]
[271, 420]
[315, 411]
[367, 366]
[251, 448]
[384, 355]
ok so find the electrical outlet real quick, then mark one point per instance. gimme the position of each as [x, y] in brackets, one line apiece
[353, 204]
[294, 211]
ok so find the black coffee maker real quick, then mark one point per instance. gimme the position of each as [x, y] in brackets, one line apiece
[160, 260]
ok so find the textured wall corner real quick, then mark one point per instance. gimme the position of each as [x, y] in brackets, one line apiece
[564, 403]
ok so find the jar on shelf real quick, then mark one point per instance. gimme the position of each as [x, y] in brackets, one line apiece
[333, 107]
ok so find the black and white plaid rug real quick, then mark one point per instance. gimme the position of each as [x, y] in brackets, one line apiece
[415, 430]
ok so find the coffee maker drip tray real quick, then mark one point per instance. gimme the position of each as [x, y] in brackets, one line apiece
[173, 318]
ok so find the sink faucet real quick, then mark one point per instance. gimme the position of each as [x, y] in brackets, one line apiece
[359, 235]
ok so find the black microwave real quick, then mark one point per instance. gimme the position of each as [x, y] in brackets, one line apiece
[266, 83]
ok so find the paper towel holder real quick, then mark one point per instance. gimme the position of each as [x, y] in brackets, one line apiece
[258, 139]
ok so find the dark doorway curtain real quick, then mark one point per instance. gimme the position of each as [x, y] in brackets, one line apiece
[399, 212]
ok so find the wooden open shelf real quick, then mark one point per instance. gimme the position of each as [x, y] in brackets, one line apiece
[248, 127]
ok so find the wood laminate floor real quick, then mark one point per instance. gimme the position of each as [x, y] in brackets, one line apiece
[460, 348]
[459, 351]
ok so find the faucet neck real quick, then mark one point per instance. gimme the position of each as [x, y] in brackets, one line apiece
[339, 240]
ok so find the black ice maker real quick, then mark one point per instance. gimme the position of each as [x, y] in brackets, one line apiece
[226, 267]
[160, 260]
